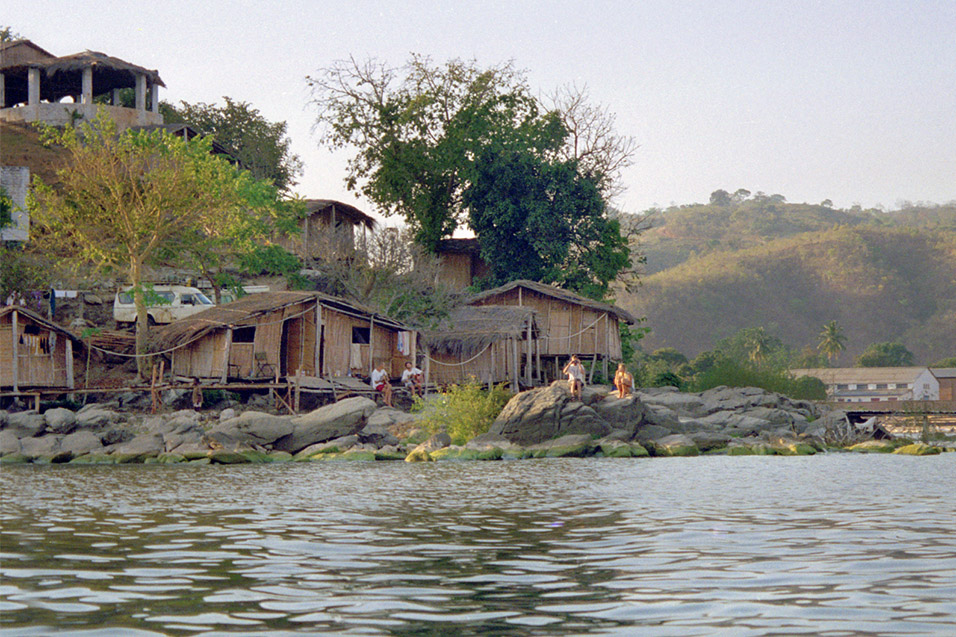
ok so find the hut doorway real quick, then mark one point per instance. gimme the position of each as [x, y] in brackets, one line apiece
[291, 346]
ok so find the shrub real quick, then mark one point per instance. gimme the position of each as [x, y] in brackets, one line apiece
[464, 411]
[734, 373]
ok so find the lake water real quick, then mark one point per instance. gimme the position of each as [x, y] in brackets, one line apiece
[835, 544]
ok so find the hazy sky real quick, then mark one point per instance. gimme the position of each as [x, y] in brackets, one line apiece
[851, 101]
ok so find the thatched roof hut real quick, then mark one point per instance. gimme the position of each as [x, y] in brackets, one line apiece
[570, 323]
[262, 336]
[490, 343]
[34, 352]
[327, 232]
[460, 263]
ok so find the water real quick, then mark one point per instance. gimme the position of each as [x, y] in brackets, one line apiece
[831, 545]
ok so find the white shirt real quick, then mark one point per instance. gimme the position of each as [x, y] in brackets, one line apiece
[379, 376]
[408, 376]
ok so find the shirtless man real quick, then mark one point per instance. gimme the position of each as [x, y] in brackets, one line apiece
[624, 381]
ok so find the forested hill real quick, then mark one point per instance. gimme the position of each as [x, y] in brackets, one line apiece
[761, 262]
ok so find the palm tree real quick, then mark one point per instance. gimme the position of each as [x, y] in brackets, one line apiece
[832, 340]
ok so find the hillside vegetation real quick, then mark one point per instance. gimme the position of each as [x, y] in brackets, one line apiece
[790, 268]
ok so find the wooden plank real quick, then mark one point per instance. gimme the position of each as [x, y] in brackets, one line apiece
[226, 359]
[16, 352]
[68, 361]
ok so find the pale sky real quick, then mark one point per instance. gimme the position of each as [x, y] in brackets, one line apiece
[849, 101]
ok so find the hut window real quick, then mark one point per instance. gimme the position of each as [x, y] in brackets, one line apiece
[244, 334]
[361, 335]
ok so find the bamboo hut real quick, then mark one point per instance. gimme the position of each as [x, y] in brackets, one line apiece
[34, 352]
[488, 343]
[327, 231]
[570, 323]
[273, 335]
[460, 263]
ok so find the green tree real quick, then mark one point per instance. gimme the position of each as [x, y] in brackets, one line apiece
[7, 34]
[945, 362]
[261, 146]
[832, 340]
[889, 354]
[125, 201]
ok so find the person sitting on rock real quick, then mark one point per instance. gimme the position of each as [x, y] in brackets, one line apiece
[381, 384]
[575, 371]
[624, 381]
[197, 395]
[412, 379]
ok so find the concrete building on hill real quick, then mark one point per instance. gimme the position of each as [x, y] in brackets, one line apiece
[875, 384]
[37, 86]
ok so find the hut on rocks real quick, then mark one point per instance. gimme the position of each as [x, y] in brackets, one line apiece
[490, 343]
[570, 323]
[34, 352]
[279, 334]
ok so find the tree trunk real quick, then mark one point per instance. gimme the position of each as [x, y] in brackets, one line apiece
[142, 319]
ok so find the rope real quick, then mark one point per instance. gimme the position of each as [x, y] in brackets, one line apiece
[581, 331]
[196, 338]
[461, 364]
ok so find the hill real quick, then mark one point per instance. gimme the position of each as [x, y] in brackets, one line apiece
[20, 146]
[792, 267]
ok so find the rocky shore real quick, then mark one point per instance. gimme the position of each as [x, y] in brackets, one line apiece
[543, 422]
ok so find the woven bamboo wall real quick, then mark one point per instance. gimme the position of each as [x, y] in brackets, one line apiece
[41, 360]
[445, 369]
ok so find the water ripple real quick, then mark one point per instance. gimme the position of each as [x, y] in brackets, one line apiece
[838, 544]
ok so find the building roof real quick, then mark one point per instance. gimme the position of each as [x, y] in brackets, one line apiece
[458, 246]
[861, 375]
[17, 52]
[471, 328]
[558, 293]
[350, 212]
[36, 318]
[247, 310]
[943, 372]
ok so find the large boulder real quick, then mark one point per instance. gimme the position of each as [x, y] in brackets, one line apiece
[690, 405]
[673, 445]
[9, 443]
[251, 428]
[60, 420]
[377, 435]
[45, 448]
[81, 442]
[95, 416]
[546, 413]
[622, 413]
[343, 418]
[143, 445]
[26, 424]
[567, 446]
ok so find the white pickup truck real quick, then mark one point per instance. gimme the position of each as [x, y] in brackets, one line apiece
[180, 301]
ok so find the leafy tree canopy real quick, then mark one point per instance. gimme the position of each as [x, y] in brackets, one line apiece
[261, 146]
[443, 145]
[130, 200]
[889, 354]
[7, 34]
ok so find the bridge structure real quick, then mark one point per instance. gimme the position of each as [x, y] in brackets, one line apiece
[904, 417]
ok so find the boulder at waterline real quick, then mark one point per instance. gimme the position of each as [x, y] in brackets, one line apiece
[9, 443]
[546, 413]
[25, 424]
[567, 446]
[339, 419]
[251, 428]
[918, 449]
[81, 442]
[673, 445]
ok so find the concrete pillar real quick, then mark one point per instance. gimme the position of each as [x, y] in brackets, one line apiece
[116, 97]
[141, 92]
[87, 96]
[3, 92]
[154, 98]
[33, 86]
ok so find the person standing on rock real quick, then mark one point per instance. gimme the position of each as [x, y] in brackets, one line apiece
[381, 384]
[575, 371]
[197, 395]
[624, 381]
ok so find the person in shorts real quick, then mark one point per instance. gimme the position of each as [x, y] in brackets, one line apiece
[413, 379]
[575, 371]
[381, 383]
[624, 381]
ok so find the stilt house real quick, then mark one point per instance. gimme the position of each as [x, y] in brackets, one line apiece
[278, 334]
[489, 343]
[570, 323]
[327, 231]
[34, 352]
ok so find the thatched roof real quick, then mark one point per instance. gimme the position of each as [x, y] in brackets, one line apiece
[36, 318]
[458, 246]
[353, 214]
[557, 293]
[63, 76]
[471, 328]
[247, 310]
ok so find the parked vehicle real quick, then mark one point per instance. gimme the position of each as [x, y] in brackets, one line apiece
[177, 301]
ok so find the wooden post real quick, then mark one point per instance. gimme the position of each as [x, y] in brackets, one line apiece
[298, 390]
[318, 340]
[494, 362]
[537, 356]
[306, 244]
[16, 352]
[428, 367]
[371, 339]
[225, 361]
[607, 343]
[527, 369]
[69, 364]
[514, 363]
